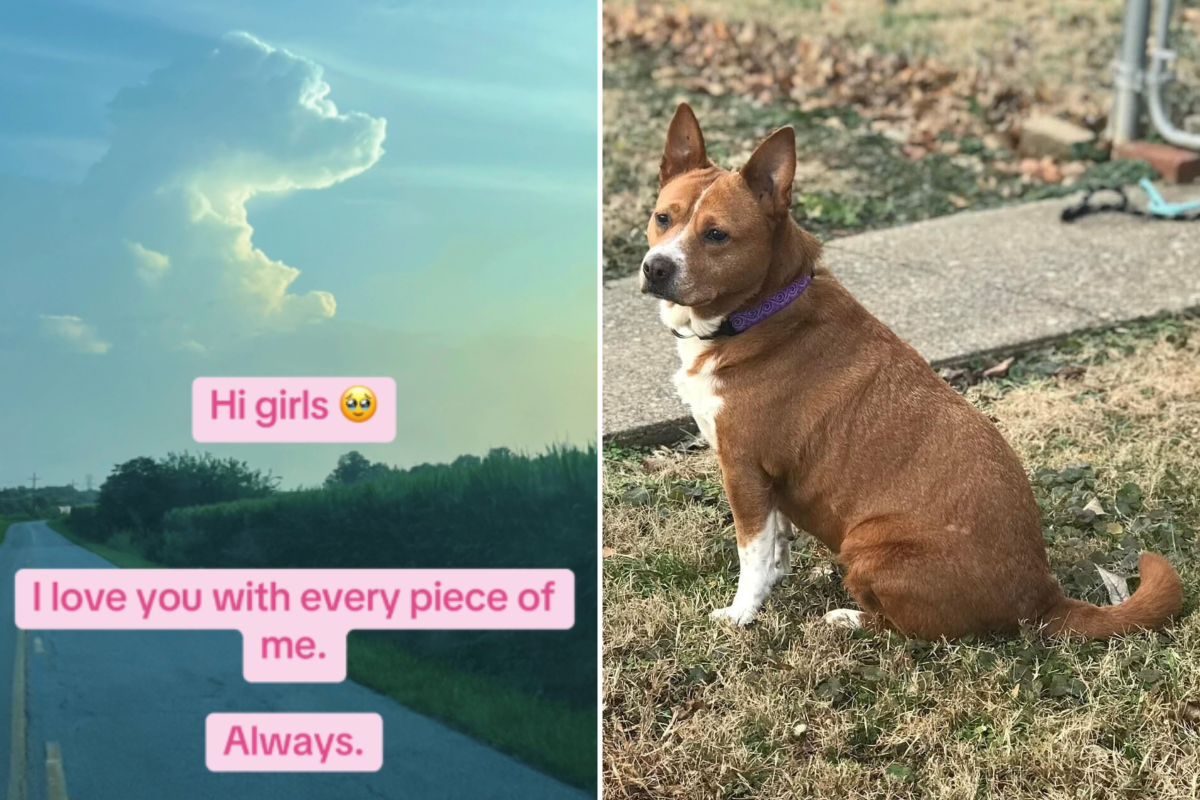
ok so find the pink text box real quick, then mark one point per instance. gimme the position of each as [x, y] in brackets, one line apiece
[293, 742]
[288, 410]
[293, 621]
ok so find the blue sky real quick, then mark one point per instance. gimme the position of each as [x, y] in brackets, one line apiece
[352, 188]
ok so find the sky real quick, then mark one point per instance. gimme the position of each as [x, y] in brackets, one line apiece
[239, 187]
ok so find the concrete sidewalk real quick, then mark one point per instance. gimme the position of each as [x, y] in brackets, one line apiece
[953, 287]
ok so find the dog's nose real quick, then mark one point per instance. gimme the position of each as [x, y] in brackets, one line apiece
[658, 269]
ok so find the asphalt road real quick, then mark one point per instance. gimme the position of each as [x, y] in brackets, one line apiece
[127, 708]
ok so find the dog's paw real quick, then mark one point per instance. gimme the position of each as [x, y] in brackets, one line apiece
[734, 616]
[844, 618]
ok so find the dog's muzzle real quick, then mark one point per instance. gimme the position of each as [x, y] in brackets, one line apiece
[658, 276]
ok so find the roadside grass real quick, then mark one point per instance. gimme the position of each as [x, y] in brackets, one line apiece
[118, 551]
[793, 708]
[550, 736]
[554, 737]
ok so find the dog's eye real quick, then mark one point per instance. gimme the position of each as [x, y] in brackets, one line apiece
[663, 220]
[715, 235]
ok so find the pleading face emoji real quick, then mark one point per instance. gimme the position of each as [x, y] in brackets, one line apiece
[358, 404]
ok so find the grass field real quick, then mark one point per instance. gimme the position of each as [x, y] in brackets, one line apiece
[792, 708]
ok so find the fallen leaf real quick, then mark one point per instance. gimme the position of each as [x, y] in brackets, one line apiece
[608, 552]
[651, 464]
[696, 442]
[999, 370]
[1095, 507]
[1115, 585]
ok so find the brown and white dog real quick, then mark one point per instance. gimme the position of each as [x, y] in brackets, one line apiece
[823, 418]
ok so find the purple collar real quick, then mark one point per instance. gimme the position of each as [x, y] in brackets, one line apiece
[743, 320]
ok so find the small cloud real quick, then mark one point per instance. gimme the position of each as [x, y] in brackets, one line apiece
[74, 333]
[151, 266]
[192, 346]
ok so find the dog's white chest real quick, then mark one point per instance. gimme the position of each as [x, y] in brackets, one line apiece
[699, 390]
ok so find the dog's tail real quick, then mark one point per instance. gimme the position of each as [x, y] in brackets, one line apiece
[1156, 602]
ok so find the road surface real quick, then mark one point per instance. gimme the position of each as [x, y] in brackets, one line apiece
[123, 715]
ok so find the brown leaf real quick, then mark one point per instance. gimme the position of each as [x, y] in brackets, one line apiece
[608, 552]
[999, 370]
[651, 464]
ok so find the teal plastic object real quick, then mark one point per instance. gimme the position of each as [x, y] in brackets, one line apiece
[1161, 208]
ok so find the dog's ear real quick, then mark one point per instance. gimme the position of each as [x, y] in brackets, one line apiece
[770, 171]
[685, 146]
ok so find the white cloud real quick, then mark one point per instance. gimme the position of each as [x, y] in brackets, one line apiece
[160, 248]
[74, 334]
[150, 265]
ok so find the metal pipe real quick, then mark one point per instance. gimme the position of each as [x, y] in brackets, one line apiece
[1128, 70]
[1159, 75]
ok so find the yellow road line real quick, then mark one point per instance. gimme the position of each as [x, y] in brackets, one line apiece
[56, 779]
[16, 765]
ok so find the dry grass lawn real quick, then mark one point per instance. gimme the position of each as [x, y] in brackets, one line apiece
[792, 708]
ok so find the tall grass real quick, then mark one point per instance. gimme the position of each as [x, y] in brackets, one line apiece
[502, 511]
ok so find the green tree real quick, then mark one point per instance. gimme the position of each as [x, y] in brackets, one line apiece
[354, 467]
[140, 492]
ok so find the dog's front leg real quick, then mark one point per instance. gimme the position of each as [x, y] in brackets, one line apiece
[763, 539]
